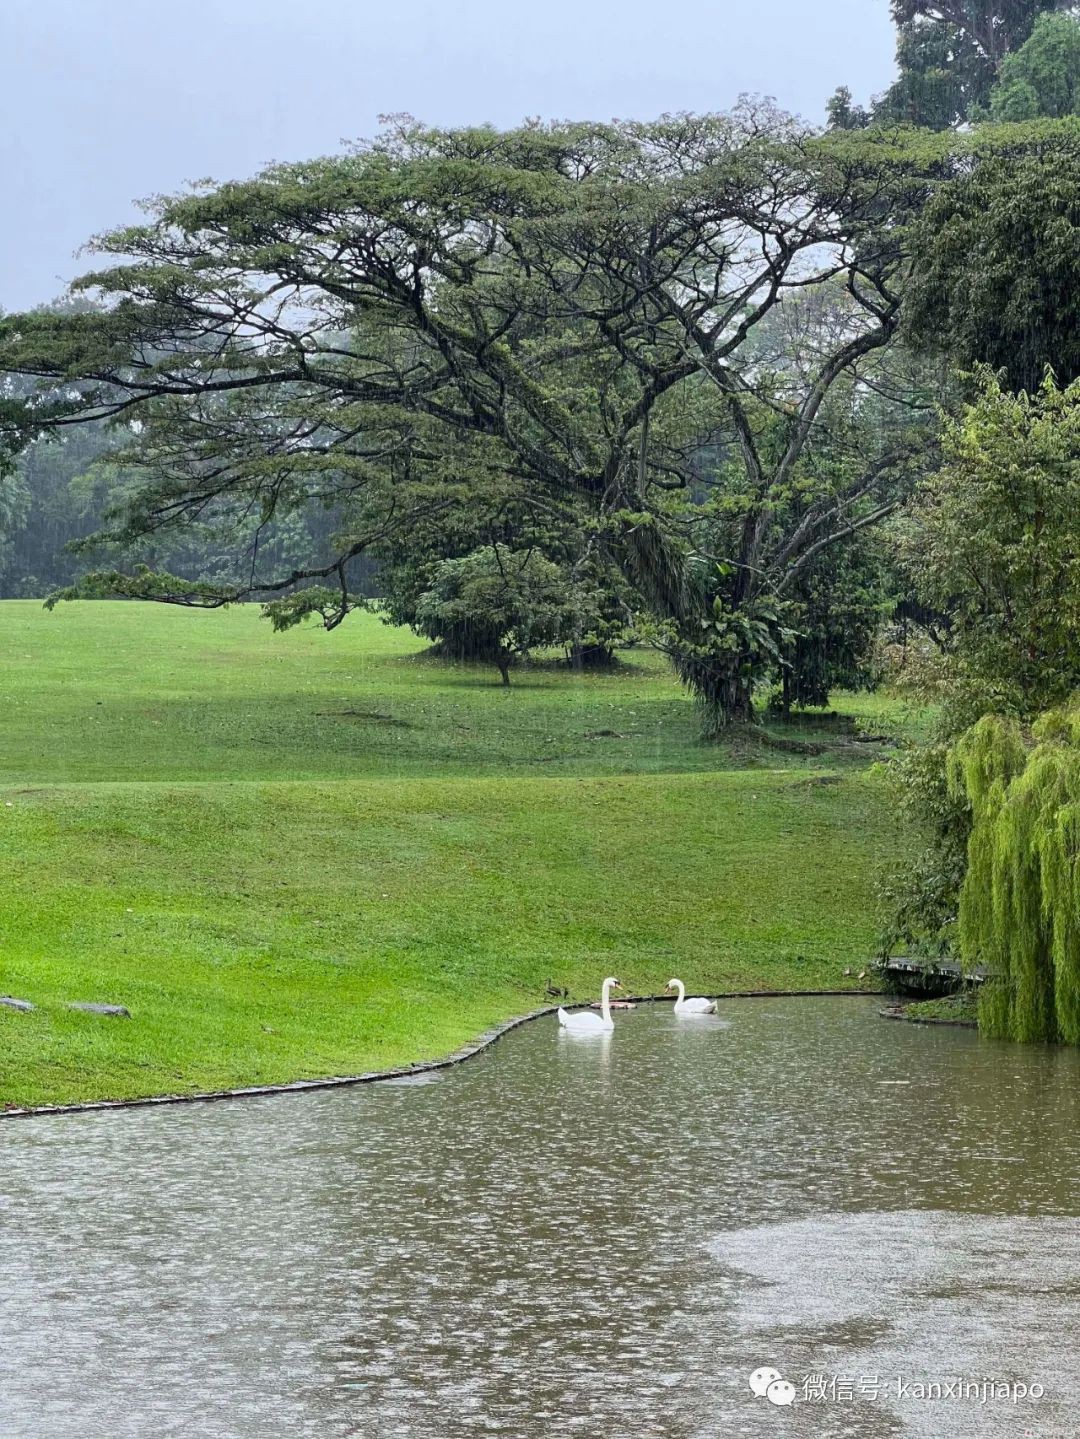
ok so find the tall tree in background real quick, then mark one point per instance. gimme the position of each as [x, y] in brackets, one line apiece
[949, 56]
[570, 305]
[992, 28]
[1042, 78]
[943, 76]
[995, 277]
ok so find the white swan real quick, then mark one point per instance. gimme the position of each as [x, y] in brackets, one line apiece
[584, 1021]
[690, 1006]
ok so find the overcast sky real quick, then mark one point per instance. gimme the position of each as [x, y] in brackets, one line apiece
[107, 101]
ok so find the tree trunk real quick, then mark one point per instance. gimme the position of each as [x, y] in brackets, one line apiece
[591, 657]
[720, 683]
[723, 692]
[786, 699]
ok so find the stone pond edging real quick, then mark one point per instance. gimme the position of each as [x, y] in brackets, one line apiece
[900, 1014]
[459, 1056]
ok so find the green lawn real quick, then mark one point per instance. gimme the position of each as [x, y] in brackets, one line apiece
[316, 854]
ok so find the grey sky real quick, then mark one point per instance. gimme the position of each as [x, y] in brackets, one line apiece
[106, 101]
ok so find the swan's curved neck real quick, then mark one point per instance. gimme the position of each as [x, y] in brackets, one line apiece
[681, 988]
[605, 999]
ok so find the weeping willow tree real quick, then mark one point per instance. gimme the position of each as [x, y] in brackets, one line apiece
[1020, 902]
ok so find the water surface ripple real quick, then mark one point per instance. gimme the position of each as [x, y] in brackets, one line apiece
[595, 1237]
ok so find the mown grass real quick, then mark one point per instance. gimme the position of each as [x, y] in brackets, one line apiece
[194, 825]
[962, 1008]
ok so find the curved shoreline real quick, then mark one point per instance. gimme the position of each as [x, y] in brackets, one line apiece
[459, 1056]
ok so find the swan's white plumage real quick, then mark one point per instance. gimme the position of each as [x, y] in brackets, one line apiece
[690, 1006]
[584, 1021]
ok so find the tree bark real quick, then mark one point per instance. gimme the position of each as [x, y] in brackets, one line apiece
[786, 691]
[723, 692]
[591, 657]
[720, 684]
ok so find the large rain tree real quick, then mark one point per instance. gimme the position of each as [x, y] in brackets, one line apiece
[576, 307]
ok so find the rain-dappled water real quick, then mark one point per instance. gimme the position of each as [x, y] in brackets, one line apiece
[565, 1237]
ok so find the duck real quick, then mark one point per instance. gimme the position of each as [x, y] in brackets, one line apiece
[690, 1006]
[584, 1021]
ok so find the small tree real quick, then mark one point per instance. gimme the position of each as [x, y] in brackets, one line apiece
[509, 601]
[505, 516]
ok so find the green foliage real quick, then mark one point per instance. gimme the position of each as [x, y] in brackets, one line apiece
[949, 54]
[488, 511]
[994, 546]
[1042, 78]
[991, 27]
[68, 488]
[1020, 902]
[511, 601]
[62, 503]
[992, 543]
[732, 648]
[835, 614]
[143, 584]
[14, 503]
[842, 113]
[943, 75]
[962, 1008]
[995, 274]
[920, 897]
[579, 307]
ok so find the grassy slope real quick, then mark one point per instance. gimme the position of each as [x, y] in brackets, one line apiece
[384, 883]
[955, 1008]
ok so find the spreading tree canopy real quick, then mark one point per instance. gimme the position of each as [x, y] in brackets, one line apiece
[574, 306]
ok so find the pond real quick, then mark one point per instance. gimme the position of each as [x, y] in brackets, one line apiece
[603, 1237]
